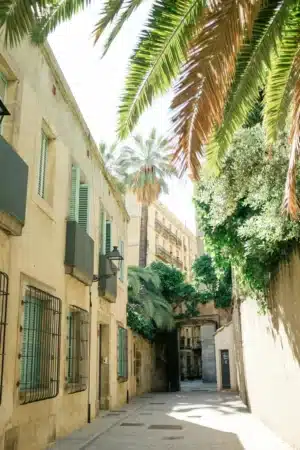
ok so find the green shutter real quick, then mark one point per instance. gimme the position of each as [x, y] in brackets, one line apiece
[108, 237]
[43, 165]
[74, 199]
[83, 215]
[102, 236]
[31, 346]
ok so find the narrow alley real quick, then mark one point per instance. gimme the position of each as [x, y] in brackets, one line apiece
[183, 420]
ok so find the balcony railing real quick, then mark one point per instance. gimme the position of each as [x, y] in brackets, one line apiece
[107, 285]
[79, 256]
[167, 233]
[13, 189]
[168, 257]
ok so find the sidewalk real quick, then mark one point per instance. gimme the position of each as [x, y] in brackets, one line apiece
[176, 421]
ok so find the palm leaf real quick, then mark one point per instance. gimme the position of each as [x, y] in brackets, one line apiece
[54, 15]
[157, 59]
[202, 89]
[132, 5]
[250, 74]
[17, 17]
[110, 10]
[281, 80]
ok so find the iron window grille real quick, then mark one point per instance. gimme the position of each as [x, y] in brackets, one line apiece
[122, 354]
[77, 350]
[3, 316]
[40, 351]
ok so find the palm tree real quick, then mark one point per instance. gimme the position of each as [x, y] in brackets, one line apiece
[110, 155]
[145, 297]
[145, 169]
[220, 52]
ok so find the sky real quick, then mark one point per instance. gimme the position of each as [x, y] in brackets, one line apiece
[97, 85]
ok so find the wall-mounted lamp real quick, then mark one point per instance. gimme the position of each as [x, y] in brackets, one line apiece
[3, 111]
[114, 257]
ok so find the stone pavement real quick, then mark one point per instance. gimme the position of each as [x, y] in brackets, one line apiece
[176, 421]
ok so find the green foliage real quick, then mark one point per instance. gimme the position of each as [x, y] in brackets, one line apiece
[240, 211]
[214, 284]
[175, 289]
[146, 305]
[139, 323]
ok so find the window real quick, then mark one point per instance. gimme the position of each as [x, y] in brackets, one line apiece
[122, 353]
[3, 313]
[3, 89]
[39, 366]
[121, 248]
[79, 201]
[77, 349]
[43, 165]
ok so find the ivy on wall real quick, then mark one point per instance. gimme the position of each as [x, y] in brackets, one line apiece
[240, 212]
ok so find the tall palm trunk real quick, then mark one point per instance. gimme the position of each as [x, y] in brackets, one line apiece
[143, 237]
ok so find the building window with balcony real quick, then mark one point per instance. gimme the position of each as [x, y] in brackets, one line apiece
[3, 91]
[122, 352]
[79, 202]
[40, 350]
[77, 349]
[3, 317]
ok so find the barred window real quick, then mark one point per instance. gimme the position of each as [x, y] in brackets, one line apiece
[40, 351]
[3, 314]
[77, 350]
[122, 353]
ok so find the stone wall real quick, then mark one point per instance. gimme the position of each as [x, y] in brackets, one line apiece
[270, 362]
[224, 340]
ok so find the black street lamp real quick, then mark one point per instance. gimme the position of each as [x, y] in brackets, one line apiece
[114, 256]
[3, 111]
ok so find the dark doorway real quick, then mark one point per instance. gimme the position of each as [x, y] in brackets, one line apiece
[225, 367]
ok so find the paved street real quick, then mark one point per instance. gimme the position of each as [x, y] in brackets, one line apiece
[187, 420]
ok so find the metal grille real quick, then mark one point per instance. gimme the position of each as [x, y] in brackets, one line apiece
[77, 350]
[40, 351]
[3, 314]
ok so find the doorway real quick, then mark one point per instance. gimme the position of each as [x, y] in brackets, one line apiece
[103, 367]
[225, 369]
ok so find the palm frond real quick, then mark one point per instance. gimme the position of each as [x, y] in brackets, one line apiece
[281, 80]
[110, 10]
[17, 17]
[291, 202]
[202, 88]
[53, 15]
[157, 59]
[131, 6]
[250, 75]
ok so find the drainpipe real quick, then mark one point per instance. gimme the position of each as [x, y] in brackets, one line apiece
[89, 368]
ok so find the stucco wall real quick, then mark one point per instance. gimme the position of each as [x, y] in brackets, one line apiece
[271, 354]
[39, 97]
[224, 340]
[141, 364]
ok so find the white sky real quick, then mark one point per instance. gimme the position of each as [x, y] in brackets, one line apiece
[97, 84]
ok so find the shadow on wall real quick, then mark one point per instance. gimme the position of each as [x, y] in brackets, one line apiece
[284, 305]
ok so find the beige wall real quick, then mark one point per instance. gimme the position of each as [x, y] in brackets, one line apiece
[271, 354]
[38, 97]
[141, 366]
[224, 340]
[187, 252]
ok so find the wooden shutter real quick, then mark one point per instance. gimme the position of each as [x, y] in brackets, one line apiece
[83, 215]
[43, 165]
[31, 347]
[108, 237]
[74, 199]
[119, 351]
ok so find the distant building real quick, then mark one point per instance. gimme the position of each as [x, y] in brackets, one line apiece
[169, 240]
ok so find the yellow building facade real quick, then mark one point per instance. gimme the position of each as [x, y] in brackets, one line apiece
[63, 337]
[169, 240]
